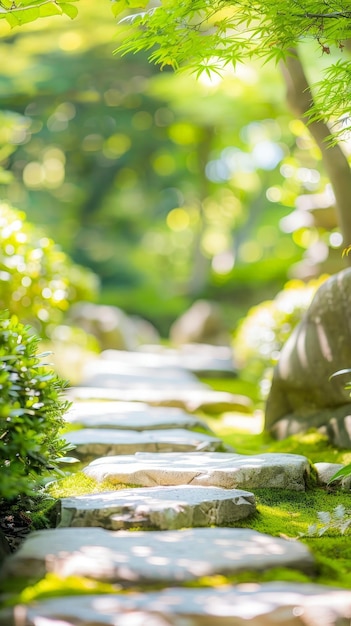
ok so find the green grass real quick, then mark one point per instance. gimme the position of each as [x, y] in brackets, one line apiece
[312, 444]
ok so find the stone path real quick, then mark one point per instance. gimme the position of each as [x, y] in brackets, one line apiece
[179, 524]
[131, 416]
[166, 508]
[191, 399]
[269, 604]
[227, 470]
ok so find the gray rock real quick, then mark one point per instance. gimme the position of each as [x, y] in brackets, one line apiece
[170, 556]
[303, 395]
[192, 400]
[166, 508]
[128, 364]
[325, 471]
[202, 359]
[145, 331]
[93, 442]
[130, 416]
[119, 375]
[267, 604]
[109, 324]
[201, 323]
[216, 469]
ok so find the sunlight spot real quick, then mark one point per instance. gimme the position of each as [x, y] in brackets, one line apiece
[43, 315]
[274, 194]
[158, 560]
[142, 120]
[335, 240]
[210, 79]
[223, 263]
[178, 219]
[267, 154]
[59, 294]
[163, 164]
[116, 145]
[182, 133]
[33, 175]
[250, 251]
[70, 41]
[214, 243]
[142, 550]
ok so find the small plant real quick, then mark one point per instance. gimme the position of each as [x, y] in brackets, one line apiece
[31, 411]
[338, 520]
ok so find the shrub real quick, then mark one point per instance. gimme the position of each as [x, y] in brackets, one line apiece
[262, 333]
[31, 411]
[38, 281]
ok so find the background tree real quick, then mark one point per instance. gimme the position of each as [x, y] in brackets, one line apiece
[206, 37]
[139, 174]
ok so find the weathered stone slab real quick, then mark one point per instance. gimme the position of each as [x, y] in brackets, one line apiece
[170, 556]
[99, 374]
[124, 366]
[217, 469]
[191, 400]
[166, 508]
[325, 471]
[267, 604]
[130, 416]
[93, 442]
[202, 359]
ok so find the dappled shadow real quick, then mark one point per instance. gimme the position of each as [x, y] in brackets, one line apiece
[154, 556]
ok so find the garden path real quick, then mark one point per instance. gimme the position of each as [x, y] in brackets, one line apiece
[155, 542]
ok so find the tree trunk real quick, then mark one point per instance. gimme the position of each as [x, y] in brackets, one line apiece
[300, 99]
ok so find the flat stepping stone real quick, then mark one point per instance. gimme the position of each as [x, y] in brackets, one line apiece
[216, 469]
[125, 381]
[125, 376]
[130, 416]
[266, 604]
[166, 508]
[201, 359]
[190, 400]
[94, 442]
[167, 557]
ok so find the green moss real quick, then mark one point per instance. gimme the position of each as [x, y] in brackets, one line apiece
[247, 576]
[79, 485]
[315, 446]
[233, 385]
[52, 586]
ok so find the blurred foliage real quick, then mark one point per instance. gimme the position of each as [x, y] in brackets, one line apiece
[38, 282]
[31, 411]
[262, 333]
[170, 189]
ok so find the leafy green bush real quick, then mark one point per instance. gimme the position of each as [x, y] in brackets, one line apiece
[31, 411]
[262, 333]
[38, 282]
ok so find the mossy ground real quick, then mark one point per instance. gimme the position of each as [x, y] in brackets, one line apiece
[280, 513]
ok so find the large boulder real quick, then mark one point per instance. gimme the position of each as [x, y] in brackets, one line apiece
[112, 327]
[303, 394]
[202, 323]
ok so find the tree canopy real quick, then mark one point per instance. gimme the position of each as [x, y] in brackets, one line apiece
[19, 12]
[205, 36]
[169, 188]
